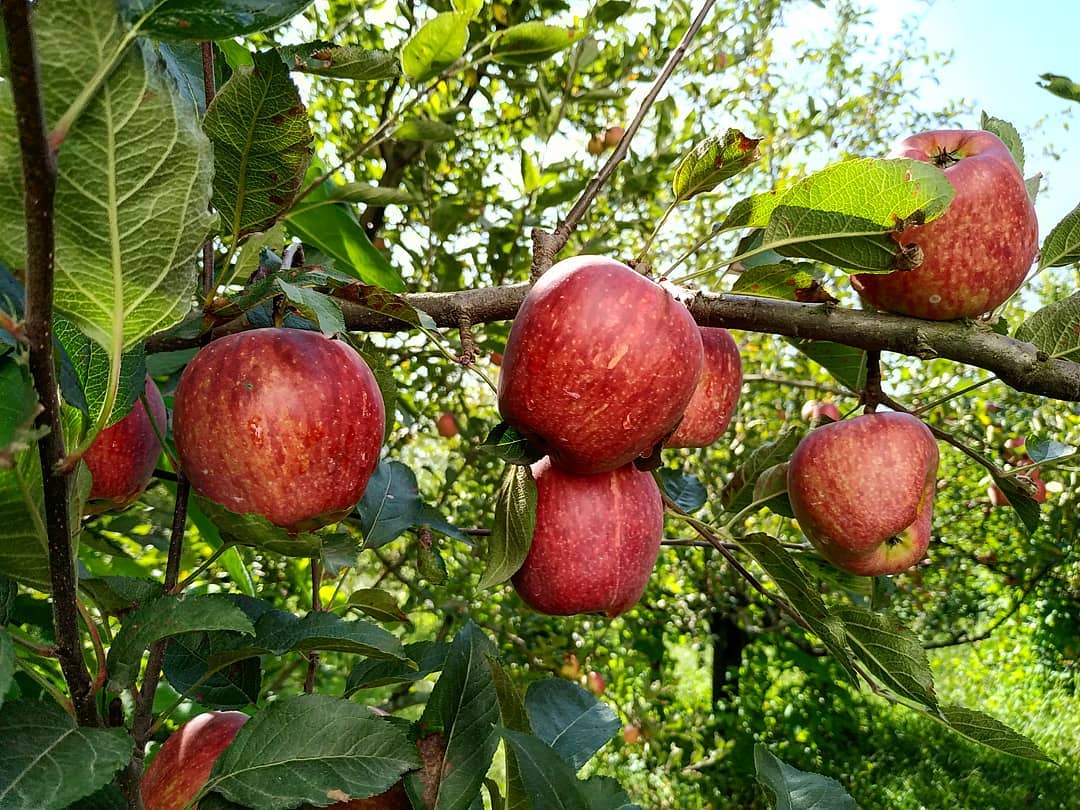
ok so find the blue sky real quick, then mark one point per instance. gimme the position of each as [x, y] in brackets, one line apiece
[1000, 47]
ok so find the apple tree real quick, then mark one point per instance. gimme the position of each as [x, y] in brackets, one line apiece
[257, 256]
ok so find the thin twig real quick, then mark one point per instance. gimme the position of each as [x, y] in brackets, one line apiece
[39, 192]
[316, 604]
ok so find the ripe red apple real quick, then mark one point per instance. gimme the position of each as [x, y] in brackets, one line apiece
[496, 358]
[599, 366]
[446, 425]
[814, 411]
[596, 540]
[183, 764]
[863, 491]
[978, 252]
[595, 682]
[122, 457]
[717, 392]
[282, 422]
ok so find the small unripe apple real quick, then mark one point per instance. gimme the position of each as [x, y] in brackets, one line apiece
[596, 145]
[446, 425]
[122, 457]
[613, 135]
[816, 411]
[863, 491]
[596, 541]
[599, 366]
[716, 395]
[182, 766]
[285, 423]
[978, 252]
[570, 668]
[595, 682]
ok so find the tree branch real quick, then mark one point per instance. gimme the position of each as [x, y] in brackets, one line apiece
[39, 191]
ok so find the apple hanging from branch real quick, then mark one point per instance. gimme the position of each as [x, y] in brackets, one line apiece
[862, 491]
[977, 253]
[183, 764]
[717, 394]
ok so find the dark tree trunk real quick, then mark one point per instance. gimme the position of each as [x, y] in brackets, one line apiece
[728, 642]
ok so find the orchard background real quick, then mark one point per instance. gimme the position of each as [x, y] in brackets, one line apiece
[399, 172]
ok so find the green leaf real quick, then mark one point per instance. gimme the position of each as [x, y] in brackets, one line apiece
[512, 531]
[430, 564]
[470, 7]
[316, 306]
[424, 129]
[530, 42]
[187, 668]
[840, 215]
[513, 715]
[506, 443]
[846, 364]
[384, 302]
[208, 19]
[370, 194]
[604, 793]
[805, 597]
[430, 656]
[892, 654]
[771, 487]
[165, 617]
[788, 281]
[569, 719]
[549, 781]
[1054, 329]
[461, 713]
[18, 409]
[49, 761]
[324, 223]
[120, 594]
[278, 632]
[262, 145]
[713, 161]
[378, 604]
[686, 490]
[1061, 86]
[7, 663]
[341, 61]
[252, 529]
[91, 364]
[1041, 449]
[799, 790]
[1008, 134]
[438, 44]
[391, 504]
[24, 541]
[308, 748]
[985, 730]
[9, 589]
[133, 184]
[1062, 245]
[738, 493]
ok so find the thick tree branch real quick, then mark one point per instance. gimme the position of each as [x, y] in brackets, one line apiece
[39, 190]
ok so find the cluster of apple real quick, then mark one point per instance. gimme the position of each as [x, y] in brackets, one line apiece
[602, 141]
[284, 423]
[601, 367]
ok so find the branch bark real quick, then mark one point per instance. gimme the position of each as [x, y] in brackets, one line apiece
[39, 191]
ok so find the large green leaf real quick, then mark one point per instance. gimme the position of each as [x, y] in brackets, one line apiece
[569, 719]
[799, 790]
[738, 493]
[713, 161]
[311, 748]
[1055, 329]
[847, 364]
[512, 531]
[985, 730]
[436, 45]
[458, 724]
[530, 42]
[133, 181]
[24, 540]
[50, 762]
[893, 655]
[1062, 246]
[391, 504]
[188, 670]
[549, 780]
[429, 657]
[166, 617]
[208, 19]
[262, 145]
[91, 364]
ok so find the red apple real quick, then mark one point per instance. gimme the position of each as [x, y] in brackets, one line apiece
[122, 457]
[394, 799]
[285, 423]
[496, 358]
[613, 135]
[863, 491]
[596, 540]
[600, 364]
[446, 425]
[631, 733]
[978, 252]
[815, 411]
[716, 395]
[595, 682]
[183, 764]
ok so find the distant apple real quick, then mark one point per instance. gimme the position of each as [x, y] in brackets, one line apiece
[716, 395]
[863, 491]
[496, 358]
[595, 682]
[997, 497]
[599, 366]
[596, 145]
[631, 733]
[570, 668]
[183, 764]
[613, 135]
[596, 541]
[123, 456]
[285, 423]
[814, 410]
[979, 251]
[446, 424]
